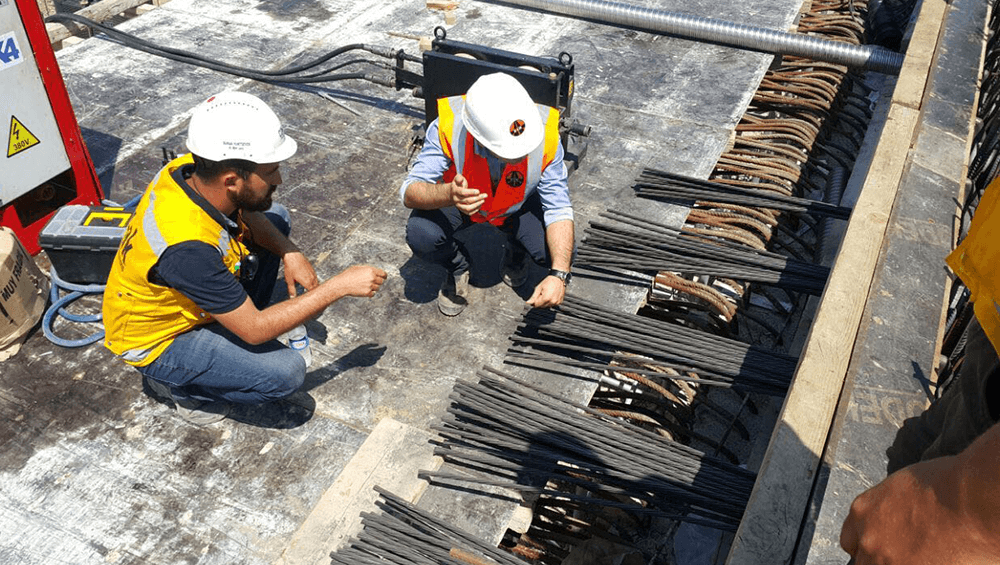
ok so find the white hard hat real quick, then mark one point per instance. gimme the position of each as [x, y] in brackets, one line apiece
[237, 125]
[499, 113]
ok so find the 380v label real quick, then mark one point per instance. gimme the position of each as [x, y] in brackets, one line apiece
[10, 51]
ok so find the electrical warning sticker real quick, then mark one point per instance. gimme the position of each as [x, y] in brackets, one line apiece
[10, 52]
[20, 138]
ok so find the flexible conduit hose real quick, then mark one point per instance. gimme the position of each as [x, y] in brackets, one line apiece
[754, 38]
[835, 185]
[58, 307]
[286, 75]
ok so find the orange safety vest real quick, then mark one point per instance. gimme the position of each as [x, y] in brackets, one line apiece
[977, 261]
[517, 178]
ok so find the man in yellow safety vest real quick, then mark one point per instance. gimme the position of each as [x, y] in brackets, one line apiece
[187, 300]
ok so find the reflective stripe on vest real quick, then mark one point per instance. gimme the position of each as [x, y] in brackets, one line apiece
[142, 319]
[516, 180]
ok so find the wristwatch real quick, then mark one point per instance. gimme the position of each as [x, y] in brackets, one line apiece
[564, 276]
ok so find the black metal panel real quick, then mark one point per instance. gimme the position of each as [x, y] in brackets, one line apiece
[451, 67]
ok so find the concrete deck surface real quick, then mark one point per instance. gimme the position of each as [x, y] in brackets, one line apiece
[93, 470]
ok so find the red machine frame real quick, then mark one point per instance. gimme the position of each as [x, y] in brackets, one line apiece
[86, 183]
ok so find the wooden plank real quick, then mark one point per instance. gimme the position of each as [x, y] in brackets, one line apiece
[390, 458]
[442, 4]
[920, 54]
[46, 7]
[99, 12]
[770, 525]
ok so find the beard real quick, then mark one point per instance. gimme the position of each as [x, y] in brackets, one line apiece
[245, 200]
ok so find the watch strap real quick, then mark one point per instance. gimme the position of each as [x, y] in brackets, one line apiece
[564, 276]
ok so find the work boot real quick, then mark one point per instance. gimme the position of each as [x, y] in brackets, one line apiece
[454, 294]
[201, 413]
[515, 271]
[192, 411]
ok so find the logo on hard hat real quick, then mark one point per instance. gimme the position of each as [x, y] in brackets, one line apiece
[515, 179]
[517, 127]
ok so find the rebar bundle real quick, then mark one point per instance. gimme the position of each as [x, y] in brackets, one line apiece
[630, 243]
[405, 535]
[798, 139]
[663, 185]
[509, 433]
[582, 334]
[754, 228]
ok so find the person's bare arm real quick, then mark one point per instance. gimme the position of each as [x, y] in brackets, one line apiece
[944, 510]
[298, 269]
[425, 196]
[551, 291]
[257, 326]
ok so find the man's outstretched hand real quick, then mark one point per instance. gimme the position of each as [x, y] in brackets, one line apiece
[550, 292]
[361, 280]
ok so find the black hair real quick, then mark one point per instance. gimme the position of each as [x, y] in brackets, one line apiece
[209, 170]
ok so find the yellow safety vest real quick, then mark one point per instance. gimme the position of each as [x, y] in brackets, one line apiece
[976, 260]
[142, 318]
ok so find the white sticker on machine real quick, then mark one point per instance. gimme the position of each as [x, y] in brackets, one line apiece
[10, 51]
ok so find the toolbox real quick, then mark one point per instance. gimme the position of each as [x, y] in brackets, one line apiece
[81, 241]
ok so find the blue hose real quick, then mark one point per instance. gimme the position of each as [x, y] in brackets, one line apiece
[58, 307]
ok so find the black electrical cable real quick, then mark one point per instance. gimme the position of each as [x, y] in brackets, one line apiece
[285, 75]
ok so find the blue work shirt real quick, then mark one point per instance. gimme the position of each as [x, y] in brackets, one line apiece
[552, 187]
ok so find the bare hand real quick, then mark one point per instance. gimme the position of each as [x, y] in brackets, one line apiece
[548, 293]
[299, 270]
[467, 200]
[361, 280]
[915, 517]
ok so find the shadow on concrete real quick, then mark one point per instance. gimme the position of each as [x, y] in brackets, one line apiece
[279, 415]
[421, 280]
[103, 149]
[365, 355]
[925, 383]
[297, 409]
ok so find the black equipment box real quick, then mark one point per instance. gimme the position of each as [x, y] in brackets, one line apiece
[81, 241]
[451, 67]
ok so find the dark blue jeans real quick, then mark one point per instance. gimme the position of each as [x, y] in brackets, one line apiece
[211, 363]
[431, 235]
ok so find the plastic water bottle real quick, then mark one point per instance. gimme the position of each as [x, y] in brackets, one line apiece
[298, 340]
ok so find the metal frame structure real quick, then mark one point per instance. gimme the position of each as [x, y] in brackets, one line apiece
[28, 213]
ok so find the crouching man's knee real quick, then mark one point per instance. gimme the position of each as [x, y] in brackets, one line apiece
[285, 379]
